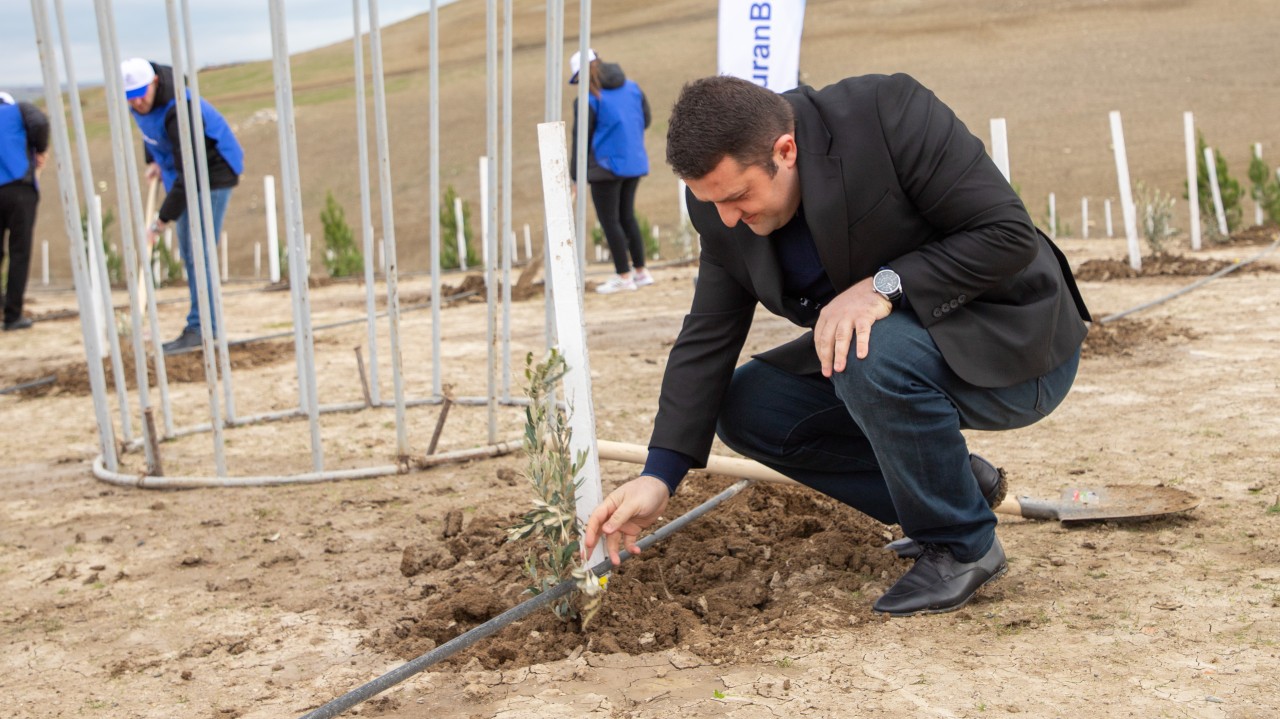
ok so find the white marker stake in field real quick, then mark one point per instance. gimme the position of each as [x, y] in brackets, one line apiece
[570, 325]
[1084, 217]
[1053, 216]
[1000, 146]
[1106, 206]
[1126, 191]
[1193, 191]
[1211, 163]
[460, 232]
[273, 237]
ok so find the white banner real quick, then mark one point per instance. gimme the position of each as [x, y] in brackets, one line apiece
[760, 41]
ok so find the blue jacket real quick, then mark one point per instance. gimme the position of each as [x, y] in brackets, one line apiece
[24, 133]
[159, 129]
[616, 125]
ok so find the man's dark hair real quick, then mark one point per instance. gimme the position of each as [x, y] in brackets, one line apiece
[723, 116]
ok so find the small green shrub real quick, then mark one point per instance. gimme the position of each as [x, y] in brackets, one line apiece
[449, 232]
[1155, 210]
[1266, 189]
[341, 256]
[651, 248]
[1228, 187]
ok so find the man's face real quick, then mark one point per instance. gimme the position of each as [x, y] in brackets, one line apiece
[143, 103]
[749, 194]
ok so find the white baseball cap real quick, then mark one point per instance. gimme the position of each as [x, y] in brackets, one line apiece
[138, 74]
[575, 64]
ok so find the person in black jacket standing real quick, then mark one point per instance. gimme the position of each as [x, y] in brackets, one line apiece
[149, 90]
[24, 145]
[616, 160]
[867, 212]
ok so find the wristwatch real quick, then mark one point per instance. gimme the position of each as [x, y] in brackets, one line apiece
[888, 284]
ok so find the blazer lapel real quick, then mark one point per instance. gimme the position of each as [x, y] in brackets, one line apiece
[822, 191]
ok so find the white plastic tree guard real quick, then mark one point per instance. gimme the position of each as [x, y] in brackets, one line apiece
[1193, 190]
[1000, 146]
[1211, 164]
[1126, 191]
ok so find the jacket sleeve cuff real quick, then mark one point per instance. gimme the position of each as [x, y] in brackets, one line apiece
[667, 465]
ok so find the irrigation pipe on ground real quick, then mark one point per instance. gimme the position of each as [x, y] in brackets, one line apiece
[462, 641]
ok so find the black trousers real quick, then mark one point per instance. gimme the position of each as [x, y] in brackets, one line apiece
[18, 202]
[615, 202]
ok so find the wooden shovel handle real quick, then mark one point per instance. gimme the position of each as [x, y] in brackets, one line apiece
[736, 467]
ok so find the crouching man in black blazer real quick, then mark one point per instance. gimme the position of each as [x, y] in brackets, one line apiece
[867, 212]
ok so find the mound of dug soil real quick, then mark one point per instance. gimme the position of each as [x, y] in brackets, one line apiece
[757, 566]
[1122, 337]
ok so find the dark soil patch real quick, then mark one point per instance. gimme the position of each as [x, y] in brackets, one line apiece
[1162, 265]
[1122, 337]
[73, 378]
[772, 562]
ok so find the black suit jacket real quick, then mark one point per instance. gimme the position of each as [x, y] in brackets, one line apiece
[888, 176]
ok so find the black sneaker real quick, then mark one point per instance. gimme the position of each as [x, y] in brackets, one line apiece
[22, 323]
[188, 340]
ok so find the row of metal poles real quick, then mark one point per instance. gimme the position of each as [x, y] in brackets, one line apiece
[90, 274]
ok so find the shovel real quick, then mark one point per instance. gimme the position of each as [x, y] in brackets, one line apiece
[1076, 504]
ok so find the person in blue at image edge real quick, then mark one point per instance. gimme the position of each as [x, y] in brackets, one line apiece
[24, 146]
[616, 160]
[149, 90]
[867, 212]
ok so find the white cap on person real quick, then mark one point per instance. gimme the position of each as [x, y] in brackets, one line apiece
[575, 64]
[138, 74]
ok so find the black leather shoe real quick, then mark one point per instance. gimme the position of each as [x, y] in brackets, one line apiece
[994, 484]
[22, 323]
[938, 583]
[189, 339]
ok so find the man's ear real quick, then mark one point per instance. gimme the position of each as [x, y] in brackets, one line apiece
[784, 150]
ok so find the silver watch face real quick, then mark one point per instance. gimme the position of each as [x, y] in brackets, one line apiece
[886, 282]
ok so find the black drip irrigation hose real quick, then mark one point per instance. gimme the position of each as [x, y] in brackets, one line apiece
[1203, 281]
[462, 641]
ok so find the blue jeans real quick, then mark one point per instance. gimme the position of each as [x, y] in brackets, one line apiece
[884, 436]
[218, 200]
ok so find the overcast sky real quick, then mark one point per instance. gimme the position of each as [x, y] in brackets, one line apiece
[225, 31]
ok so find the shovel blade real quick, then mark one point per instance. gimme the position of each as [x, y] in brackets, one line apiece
[1111, 502]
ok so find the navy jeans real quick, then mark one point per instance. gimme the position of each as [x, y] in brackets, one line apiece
[218, 200]
[884, 436]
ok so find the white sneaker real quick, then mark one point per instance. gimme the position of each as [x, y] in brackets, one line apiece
[641, 277]
[616, 284]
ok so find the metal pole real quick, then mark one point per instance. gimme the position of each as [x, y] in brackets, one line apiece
[135, 201]
[71, 218]
[388, 224]
[584, 114]
[197, 237]
[366, 214]
[206, 217]
[299, 262]
[491, 206]
[433, 59]
[505, 237]
[128, 236]
[95, 229]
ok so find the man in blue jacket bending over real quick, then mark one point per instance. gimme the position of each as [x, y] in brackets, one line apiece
[149, 89]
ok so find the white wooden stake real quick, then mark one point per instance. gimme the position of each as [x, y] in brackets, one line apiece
[1257, 206]
[1000, 146]
[1106, 205]
[657, 243]
[44, 262]
[257, 260]
[273, 237]
[484, 216]
[1193, 190]
[460, 232]
[686, 232]
[1126, 191]
[1084, 217]
[382, 255]
[528, 244]
[1211, 163]
[223, 248]
[570, 324]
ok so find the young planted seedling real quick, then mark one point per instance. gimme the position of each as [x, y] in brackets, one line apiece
[552, 520]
